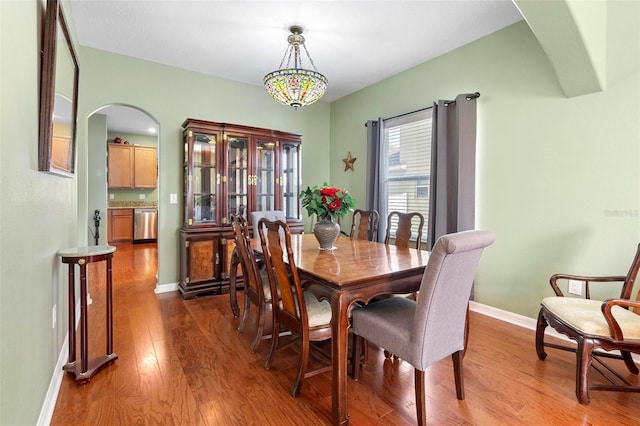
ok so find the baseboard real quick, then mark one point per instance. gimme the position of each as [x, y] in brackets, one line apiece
[522, 321]
[166, 288]
[50, 399]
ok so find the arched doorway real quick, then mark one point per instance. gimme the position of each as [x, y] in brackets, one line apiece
[126, 133]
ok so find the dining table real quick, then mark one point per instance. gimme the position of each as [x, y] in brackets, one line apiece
[354, 271]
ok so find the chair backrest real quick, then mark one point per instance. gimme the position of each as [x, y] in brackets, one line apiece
[630, 280]
[283, 277]
[364, 225]
[267, 214]
[405, 224]
[444, 295]
[250, 272]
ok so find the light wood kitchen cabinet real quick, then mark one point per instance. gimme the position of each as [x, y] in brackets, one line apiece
[145, 167]
[120, 226]
[132, 166]
[230, 169]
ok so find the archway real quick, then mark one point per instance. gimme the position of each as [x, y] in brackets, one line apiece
[124, 130]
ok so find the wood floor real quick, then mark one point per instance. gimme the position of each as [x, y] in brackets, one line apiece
[183, 363]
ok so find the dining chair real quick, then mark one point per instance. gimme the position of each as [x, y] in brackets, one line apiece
[267, 214]
[595, 325]
[299, 311]
[425, 331]
[256, 284]
[404, 222]
[364, 225]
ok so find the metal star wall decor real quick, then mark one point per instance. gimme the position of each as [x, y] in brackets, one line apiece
[348, 162]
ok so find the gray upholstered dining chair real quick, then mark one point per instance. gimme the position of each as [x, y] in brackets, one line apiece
[271, 215]
[424, 332]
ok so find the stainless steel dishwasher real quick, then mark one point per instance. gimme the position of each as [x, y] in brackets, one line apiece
[145, 225]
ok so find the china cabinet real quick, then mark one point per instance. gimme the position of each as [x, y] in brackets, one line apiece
[230, 169]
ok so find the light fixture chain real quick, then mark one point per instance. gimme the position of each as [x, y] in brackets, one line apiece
[287, 51]
[309, 56]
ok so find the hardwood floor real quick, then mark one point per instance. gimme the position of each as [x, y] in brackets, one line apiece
[183, 363]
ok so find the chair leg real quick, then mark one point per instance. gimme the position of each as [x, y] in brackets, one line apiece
[245, 314]
[457, 373]
[628, 361]
[540, 327]
[304, 360]
[275, 334]
[421, 410]
[583, 362]
[356, 356]
[259, 329]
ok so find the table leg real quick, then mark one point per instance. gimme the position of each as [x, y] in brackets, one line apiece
[339, 329]
[72, 315]
[84, 323]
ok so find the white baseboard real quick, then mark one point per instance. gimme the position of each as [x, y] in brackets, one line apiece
[50, 399]
[166, 288]
[522, 321]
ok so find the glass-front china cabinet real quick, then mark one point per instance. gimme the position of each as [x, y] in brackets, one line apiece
[230, 169]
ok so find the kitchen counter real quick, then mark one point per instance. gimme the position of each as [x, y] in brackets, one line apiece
[132, 205]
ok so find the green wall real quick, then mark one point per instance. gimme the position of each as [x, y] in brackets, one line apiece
[38, 217]
[558, 179]
[170, 95]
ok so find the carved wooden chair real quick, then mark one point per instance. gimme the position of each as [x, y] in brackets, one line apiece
[405, 224]
[299, 311]
[612, 324]
[256, 283]
[364, 225]
[425, 331]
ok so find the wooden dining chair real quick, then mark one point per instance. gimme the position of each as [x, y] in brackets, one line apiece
[299, 311]
[612, 325]
[425, 331]
[256, 284]
[364, 225]
[405, 223]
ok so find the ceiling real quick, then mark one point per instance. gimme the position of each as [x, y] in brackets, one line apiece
[244, 40]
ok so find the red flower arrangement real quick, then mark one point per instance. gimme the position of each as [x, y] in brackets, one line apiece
[327, 201]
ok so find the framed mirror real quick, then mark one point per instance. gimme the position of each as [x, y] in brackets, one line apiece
[58, 95]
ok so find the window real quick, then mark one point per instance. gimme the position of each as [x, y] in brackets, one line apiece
[407, 169]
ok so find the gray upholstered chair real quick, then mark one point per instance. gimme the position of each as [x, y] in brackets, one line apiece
[424, 332]
[271, 215]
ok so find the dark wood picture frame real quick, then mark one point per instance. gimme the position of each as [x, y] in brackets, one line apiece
[58, 95]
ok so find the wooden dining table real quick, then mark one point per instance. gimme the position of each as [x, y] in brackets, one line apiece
[356, 270]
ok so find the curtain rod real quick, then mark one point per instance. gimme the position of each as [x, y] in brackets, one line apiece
[468, 97]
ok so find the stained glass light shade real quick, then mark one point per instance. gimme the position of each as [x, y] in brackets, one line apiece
[295, 87]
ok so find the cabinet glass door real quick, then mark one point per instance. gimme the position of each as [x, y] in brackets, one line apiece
[204, 178]
[265, 179]
[291, 179]
[237, 176]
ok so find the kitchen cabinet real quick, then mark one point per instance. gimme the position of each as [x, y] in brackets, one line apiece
[132, 166]
[230, 169]
[120, 226]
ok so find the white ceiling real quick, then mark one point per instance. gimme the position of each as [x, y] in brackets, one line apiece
[244, 40]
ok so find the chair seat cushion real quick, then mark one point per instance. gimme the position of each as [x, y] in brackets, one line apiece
[586, 316]
[387, 323]
[319, 312]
